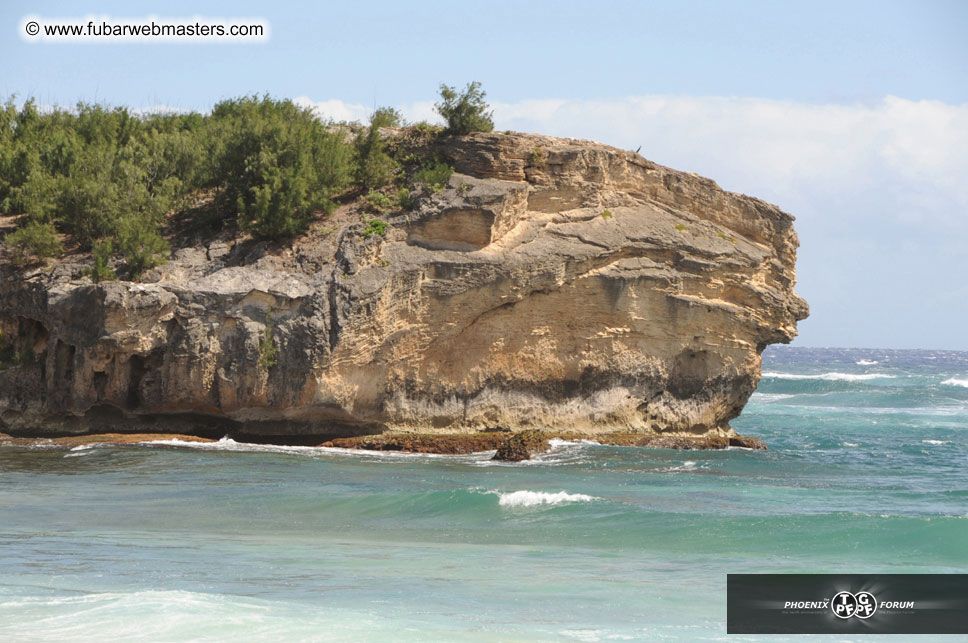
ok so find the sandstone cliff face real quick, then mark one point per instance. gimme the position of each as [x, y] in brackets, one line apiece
[553, 284]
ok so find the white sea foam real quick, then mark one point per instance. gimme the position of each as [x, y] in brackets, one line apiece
[173, 615]
[836, 377]
[770, 397]
[228, 444]
[555, 443]
[850, 444]
[953, 381]
[591, 636]
[78, 454]
[866, 362]
[561, 453]
[935, 441]
[84, 447]
[535, 498]
[688, 465]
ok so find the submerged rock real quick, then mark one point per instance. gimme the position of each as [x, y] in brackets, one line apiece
[553, 283]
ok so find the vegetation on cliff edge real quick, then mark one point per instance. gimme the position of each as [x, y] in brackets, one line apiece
[110, 180]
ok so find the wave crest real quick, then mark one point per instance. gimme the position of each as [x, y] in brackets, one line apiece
[534, 498]
[228, 444]
[954, 381]
[838, 377]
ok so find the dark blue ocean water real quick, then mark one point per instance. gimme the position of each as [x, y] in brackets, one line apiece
[866, 472]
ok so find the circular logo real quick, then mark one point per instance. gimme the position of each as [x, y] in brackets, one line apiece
[846, 605]
[866, 604]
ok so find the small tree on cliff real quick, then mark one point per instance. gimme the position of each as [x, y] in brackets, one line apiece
[465, 112]
[374, 166]
[34, 240]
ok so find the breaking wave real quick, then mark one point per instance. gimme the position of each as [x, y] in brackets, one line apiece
[535, 498]
[838, 377]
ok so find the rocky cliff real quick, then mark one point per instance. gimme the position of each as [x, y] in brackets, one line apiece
[553, 283]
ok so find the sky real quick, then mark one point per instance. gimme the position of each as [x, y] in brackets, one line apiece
[852, 116]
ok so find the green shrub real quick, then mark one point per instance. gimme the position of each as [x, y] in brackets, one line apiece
[374, 226]
[419, 135]
[435, 175]
[464, 112]
[267, 347]
[276, 164]
[34, 240]
[141, 244]
[101, 254]
[88, 202]
[607, 214]
[405, 199]
[281, 205]
[427, 129]
[87, 168]
[92, 170]
[40, 196]
[387, 117]
[377, 202]
[374, 166]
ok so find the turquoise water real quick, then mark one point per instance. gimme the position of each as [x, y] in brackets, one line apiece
[168, 542]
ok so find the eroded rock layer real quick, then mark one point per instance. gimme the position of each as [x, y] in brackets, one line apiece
[552, 284]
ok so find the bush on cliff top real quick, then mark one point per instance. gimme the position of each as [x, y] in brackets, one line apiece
[82, 170]
[374, 165]
[435, 174]
[465, 112]
[269, 164]
[141, 244]
[95, 172]
[34, 240]
[275, 164]
[101, 255]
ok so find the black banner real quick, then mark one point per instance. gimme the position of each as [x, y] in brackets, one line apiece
[847, 603]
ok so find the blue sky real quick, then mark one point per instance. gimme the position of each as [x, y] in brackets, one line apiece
[853, 116]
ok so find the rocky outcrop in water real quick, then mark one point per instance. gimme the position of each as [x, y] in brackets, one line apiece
[553, 283]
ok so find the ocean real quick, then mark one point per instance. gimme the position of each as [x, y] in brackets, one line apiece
[172, 541]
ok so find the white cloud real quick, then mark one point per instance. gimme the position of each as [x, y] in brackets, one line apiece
[338, 110]
[335, 109]
[423, 111]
